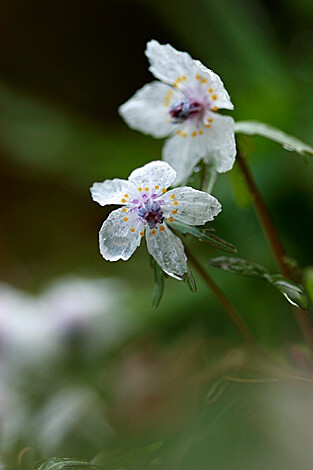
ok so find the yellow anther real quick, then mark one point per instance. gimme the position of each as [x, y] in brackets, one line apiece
[124, 209]
[208, 126]
[164, 190]
[197, 77]
[162, 228]
[166, 104]
[171, 219]
[146, 189]
[204, 80]
[200, 131]
[123, 200]
[210, 90]
[125, 219]
[175, 203]
[184, 134]
[172, 196]
[152, 232]
[132, 229]
[139, 189]
[142, 233]
[179, 80]
[210, 120]
[214, 97]
[174, 211]
[156, 187]
[215, 108]
[126, 195]
[184, 77]
[194, 134]
[178, 132]
[175, 85]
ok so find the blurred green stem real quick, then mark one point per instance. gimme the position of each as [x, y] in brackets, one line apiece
[209, 180]
[274, 242]
[224, 301]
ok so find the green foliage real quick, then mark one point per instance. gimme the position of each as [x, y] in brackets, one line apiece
[158, 283]
[287, 141]
[115, 459]
[294, 293]
[56, 463]
[204, 234]
[190, 281]
[308, 282]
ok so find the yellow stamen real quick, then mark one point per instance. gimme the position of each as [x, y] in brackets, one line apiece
[125, 219]
[174, 212]
[175, 203]
[204, 80]
[185, 134]
[171, 219]
[172, 196]
[124, 209]
[200, 131]
[164, 190]
[123, 200]
[197, 77]
[208, 126]
[210, 120]
[214, 97]
[178, 132]
[162, 228]
[152, 232]
[215, 108]
[184, 77]
[210, 90]
[142, 233]
[146, 189]
[126, 195]
[139, 189]
[132, 229]
[194, 134]
[156, 187]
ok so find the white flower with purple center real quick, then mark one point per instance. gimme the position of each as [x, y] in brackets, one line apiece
[184, 105]
[149, 209]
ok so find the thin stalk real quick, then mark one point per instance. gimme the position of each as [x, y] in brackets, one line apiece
[224, 301]
[209, 180]
[275, 243]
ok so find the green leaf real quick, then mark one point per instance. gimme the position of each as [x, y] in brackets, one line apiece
[287, 141]
[308, 282]
[158, 283]
[56, 463]
[294, 293]
[115, 459]
[204, 234]
[190, 281]
[239, 266]
[239, 187]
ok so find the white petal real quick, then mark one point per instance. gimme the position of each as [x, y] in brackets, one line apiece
[213, 81]
[147, 110]
[194, 207]
[116, 240]
[113, 191]
[167, 63]
[152, 174]
[221, 143]
[183, 153]
[168, 251]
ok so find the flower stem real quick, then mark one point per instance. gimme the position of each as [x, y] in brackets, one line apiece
[209, 180]
[275, 243]
[224, 301]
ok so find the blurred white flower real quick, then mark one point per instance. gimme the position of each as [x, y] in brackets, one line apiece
[146, 207]
[183, 106]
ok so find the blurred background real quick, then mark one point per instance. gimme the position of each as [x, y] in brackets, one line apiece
[86, 363]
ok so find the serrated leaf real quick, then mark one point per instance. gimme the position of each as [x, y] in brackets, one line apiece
[57, 463]
[158, 283]
[239, 266]
[204, 234]
[294, 293]
[287, 141]
[190, 281]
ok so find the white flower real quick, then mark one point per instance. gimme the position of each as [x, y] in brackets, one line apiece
[146, 207]
[183, 106]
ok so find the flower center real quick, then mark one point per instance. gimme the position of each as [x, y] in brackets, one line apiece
[151, 213]
[184, 109]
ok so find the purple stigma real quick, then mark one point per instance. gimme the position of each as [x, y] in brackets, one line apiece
[182, 110]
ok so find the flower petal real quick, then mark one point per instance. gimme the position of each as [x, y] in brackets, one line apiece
[117, 239]
[168, 251]
[152, 174]
[214, 86]
[113, 192]
[193, 207]
[168, 64]
[183, 153]
[147, 110]
[221, 145]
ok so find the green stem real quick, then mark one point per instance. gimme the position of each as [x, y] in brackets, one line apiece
[224, 301]
[209, 180]
[275, 243]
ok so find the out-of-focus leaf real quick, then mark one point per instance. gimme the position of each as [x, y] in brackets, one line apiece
[158, 283]
[56, 463]
[294, 293]
[204, 234]
[308, 282]
[115, 459]
[241, 194]
[287, 141]
[190, 281]
[239, 266]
